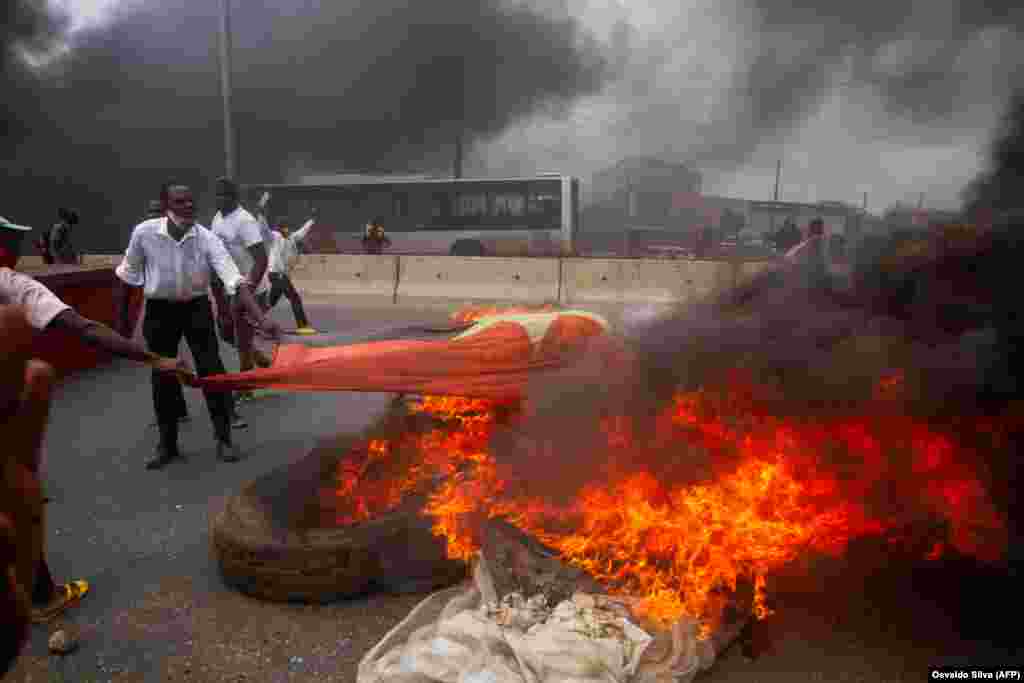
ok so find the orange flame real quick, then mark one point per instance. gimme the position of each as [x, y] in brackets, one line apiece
[682, 547]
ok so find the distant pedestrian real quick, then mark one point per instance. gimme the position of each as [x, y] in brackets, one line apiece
[62, 238]
[284, 251]
[176, 260]
[374, 238]
[42, 244]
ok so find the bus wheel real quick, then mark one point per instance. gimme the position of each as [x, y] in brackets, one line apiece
[468, 248]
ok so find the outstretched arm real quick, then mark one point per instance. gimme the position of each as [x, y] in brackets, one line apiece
[99, 335]
[302, 232]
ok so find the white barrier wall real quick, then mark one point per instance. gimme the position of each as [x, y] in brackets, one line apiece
[384, 279]
[363, 276]
[624, 281]
[525, 280]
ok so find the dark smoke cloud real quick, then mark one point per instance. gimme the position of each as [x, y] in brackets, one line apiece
[923, 58]
[382, 85]
[27, 28]
[1001, 187]
[711, 85]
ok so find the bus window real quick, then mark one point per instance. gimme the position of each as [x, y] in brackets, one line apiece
[509, 205]
[471, 205]
[544, 204]
[544, 199]
[441, 205]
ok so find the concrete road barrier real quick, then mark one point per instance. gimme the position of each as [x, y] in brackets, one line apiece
[359, 276]
[624, 281]
[477, 279]
[452, 280]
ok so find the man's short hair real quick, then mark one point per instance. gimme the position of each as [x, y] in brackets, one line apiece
[67, 215]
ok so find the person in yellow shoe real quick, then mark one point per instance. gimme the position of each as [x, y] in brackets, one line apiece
[44, 310]
[284, 252]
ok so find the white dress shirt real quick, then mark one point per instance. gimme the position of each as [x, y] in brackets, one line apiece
[284, 250]
[173, 270]
[41, 305]
[239, 230]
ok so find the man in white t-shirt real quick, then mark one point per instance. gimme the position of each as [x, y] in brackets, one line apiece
[44, 310]
[241, 234]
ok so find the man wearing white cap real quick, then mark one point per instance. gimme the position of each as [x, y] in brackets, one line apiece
[44, 310]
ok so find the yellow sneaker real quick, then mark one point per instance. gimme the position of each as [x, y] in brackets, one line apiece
[305, 330]
[68, 595]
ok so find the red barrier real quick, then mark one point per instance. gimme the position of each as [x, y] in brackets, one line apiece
[91, 292]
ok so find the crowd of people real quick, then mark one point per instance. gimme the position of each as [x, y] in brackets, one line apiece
[195, 281]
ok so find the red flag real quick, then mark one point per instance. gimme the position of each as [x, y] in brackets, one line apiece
[493, 357]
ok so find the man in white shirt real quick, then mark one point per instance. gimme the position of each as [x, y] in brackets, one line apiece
[43, 310]
[177, 261]
[241, 234]
[283, 254]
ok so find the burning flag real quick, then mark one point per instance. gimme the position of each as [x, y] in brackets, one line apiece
[491, 356]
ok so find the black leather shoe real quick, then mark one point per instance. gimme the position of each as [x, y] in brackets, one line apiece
[161, 456]
[227, 452]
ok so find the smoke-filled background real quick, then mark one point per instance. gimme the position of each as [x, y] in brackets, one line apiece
[904, 93]
[347, 85]
[101, 111]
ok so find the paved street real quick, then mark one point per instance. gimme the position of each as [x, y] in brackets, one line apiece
[159, 612]
[135, 534]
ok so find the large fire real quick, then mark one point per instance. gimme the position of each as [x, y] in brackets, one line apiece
[681, 546]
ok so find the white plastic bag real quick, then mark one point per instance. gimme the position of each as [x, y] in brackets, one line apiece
[465, 635]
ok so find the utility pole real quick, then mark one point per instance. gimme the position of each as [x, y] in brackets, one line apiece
[230, 170]
[458, 154]
[459, 63]
[864, 207]
[920, 201]
[778, 173]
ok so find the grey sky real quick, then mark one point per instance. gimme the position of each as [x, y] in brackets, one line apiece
[736, 86]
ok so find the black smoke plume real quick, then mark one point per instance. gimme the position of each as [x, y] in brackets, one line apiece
[1000, 188]
[921, 58]
[813, 350]
[334, 86]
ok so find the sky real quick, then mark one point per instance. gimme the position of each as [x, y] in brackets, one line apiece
[845, 115]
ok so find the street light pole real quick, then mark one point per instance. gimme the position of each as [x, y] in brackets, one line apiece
[225, 89]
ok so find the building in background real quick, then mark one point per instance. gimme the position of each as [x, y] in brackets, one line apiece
[765, 217]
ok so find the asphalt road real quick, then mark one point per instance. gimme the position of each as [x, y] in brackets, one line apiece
[128, 530]
[158, 610]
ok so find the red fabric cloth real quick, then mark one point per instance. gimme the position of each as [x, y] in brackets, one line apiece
[494, 359]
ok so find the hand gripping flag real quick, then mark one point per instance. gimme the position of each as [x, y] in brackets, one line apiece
[492, 357]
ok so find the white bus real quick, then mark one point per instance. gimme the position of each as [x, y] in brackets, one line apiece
[534, 216]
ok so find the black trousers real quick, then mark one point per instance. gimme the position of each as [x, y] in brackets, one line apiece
[280, 284]
[165, 324]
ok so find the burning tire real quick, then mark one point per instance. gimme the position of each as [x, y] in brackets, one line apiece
[263, 549]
